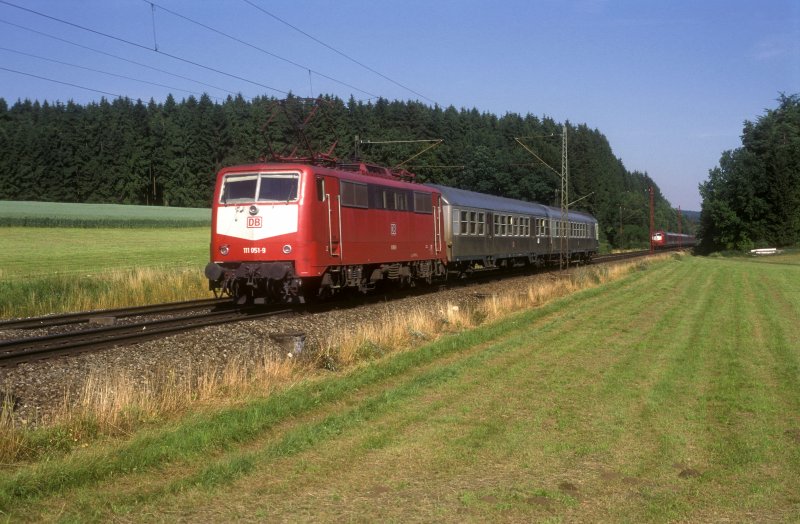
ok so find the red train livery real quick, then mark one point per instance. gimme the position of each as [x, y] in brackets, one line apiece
[284, 231]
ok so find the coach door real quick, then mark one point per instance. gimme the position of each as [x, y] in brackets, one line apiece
[333, 205]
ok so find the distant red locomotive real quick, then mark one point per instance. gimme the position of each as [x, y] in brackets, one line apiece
[284, 231]
[667, 240]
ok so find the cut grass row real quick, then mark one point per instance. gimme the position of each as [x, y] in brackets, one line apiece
[669, 395]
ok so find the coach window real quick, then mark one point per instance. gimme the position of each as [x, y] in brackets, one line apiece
[456, 222]
[481, 223]
[464, 222]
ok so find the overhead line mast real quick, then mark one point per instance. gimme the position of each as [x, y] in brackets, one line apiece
[563, 229]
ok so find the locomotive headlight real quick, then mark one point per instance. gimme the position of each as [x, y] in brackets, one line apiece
[287, 249]
[253, 210]
[224, 249]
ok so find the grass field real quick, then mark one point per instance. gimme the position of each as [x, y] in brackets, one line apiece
[672, 394]
[49, 270]
[58, 214]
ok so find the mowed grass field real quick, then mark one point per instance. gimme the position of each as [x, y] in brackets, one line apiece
[672, 394]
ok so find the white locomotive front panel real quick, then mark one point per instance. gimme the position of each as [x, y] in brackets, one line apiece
[257, 222]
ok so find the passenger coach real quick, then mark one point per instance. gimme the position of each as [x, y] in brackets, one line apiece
[484, 231]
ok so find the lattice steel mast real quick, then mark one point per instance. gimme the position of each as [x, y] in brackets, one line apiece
[566, 230]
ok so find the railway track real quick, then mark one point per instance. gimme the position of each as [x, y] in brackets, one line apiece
[14, 352]
[613, 257]
[89, 316]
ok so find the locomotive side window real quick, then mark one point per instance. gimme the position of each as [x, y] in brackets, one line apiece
[422, 203]
[354, 194]
[321, 189]
[386, 201]
[401, 201]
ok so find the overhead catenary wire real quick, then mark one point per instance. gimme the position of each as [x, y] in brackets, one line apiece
[141, 46]
[160, 51]
[117, 57]
[116, 95]
[260, 49]
[368, 68]
[99, 71]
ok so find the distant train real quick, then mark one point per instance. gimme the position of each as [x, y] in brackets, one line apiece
[667, 240]
[287, 232]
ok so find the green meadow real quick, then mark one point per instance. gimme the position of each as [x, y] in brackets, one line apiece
[71, 257]
[58, 214]
[671, 394]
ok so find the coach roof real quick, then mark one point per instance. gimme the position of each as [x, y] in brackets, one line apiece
[464, 198]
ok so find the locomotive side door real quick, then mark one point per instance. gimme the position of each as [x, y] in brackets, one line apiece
[437, 224]
[328, 188]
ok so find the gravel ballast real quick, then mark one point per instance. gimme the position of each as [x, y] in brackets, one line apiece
[39, 389]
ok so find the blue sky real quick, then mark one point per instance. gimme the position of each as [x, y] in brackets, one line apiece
[670, 83]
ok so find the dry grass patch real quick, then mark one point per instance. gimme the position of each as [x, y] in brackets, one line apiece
[112, 289]
[120, 400]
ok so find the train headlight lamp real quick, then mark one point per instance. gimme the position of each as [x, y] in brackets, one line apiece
[253, 210]
[224, 249]
[287, 249]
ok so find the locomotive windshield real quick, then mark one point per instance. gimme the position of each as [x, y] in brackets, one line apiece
[261, 187]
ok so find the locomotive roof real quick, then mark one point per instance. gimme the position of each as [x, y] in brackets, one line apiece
[465, 198]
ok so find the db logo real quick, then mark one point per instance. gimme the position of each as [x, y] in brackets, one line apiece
[253, 221]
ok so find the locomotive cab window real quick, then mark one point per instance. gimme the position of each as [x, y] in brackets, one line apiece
[263, 187]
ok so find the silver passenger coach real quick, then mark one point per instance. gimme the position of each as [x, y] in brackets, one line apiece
[485, 231]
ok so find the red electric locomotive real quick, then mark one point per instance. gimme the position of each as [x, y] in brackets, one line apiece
[667, 240]
[286, 231]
